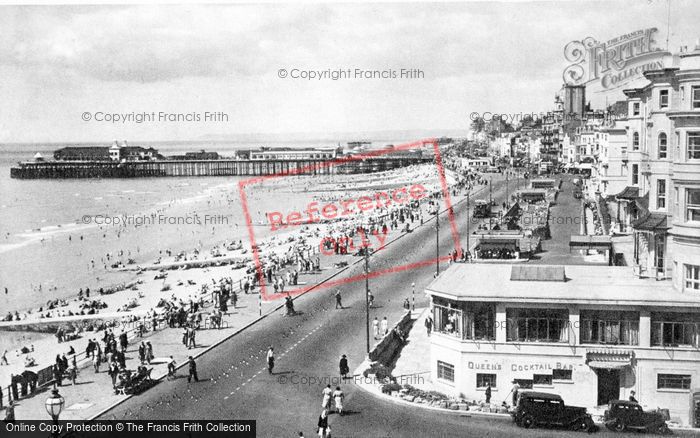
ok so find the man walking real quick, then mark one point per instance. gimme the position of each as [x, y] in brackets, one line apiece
[171, 368]
[338, 300]
[193, 370]
[375, 328]
[429, 324]
[488, 392]
[270, 360]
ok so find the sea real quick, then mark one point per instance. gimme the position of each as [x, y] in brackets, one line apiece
[58, 236]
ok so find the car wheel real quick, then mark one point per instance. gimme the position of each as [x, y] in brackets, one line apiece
[620, 426]
[527, 421]
[664, 430]
[586, 424]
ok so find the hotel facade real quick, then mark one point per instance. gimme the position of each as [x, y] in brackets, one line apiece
[589, 333]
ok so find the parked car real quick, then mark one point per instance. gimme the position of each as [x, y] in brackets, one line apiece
[625, 415]
[544, 409]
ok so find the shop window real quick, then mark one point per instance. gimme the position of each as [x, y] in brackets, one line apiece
[609, 327]
[483, 379]
[562, 374]
[660, 193]
[694, 145]
[542, 379]
[675, 330]
[445, 371]
[524, 383]
[692, 277]
[692, 205]
[663, 99]
[663, 145]
[673, 381]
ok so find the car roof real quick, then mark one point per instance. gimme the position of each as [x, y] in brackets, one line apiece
[623, 402]
[536, 394]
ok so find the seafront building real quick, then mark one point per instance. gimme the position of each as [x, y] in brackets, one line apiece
[596, 333]
[589, 333]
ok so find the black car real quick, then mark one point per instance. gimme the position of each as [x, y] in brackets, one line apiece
[544, 409]
[625, 415]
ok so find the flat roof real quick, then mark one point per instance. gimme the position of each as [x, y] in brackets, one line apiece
[596, 285]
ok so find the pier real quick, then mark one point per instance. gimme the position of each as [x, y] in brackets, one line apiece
[187, 168]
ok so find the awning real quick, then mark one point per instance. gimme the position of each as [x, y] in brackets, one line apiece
[608, 364]
[651, 222]
[610, 359]
[629, 193]
[497, 245]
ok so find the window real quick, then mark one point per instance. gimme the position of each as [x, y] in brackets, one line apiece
[445, 371]
[694, 145]
[681, 91]
[695, 97]
[675, 330]
[537, 325]
[475, 321]
[661, 193]
[635, 141]
[635, 174]
[562, 374]
[663, 99]
[663, 145]
[673, 381]
[483, 379]
[542, 379]
[692, 277]
[692, 205]
[609, 327]
[635, 109]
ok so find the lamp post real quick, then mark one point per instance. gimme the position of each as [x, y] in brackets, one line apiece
[437, 242]
[367, 294]
[54, 406]
[413, 295]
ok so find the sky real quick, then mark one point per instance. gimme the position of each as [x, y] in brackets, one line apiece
[59, 62]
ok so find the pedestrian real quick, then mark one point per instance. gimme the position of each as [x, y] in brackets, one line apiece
[327, 393]
[191, 338]
[171, 368]
[375, 327]
[385, 327]
[3, 360]
[113, 372]
[149, 352]
[370, 299]
[343, 365]
[193, 370]
[73, 374]
[429, 324]
[96, 363]
[488, 392]
[515, 390]
[324, 428]
[10, 413]
[338, 300]
[142, 352]
[338, 397]
[270, 359]
[406, 304]
[632, 398]
[185, 336]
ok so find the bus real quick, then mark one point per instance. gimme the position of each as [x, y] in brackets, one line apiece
[482, 209]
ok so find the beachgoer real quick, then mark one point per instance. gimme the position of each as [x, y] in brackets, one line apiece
[323, 426]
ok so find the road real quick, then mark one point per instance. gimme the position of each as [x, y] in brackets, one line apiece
[234, 382]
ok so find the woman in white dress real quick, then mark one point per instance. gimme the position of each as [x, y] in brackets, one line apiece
[338, 397]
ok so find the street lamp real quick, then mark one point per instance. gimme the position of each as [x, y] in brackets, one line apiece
[367, 294]
[54, 406]
[413, 295]
[437, 242]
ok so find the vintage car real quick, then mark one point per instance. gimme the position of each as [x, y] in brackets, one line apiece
[625, 415]
[544, 409]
